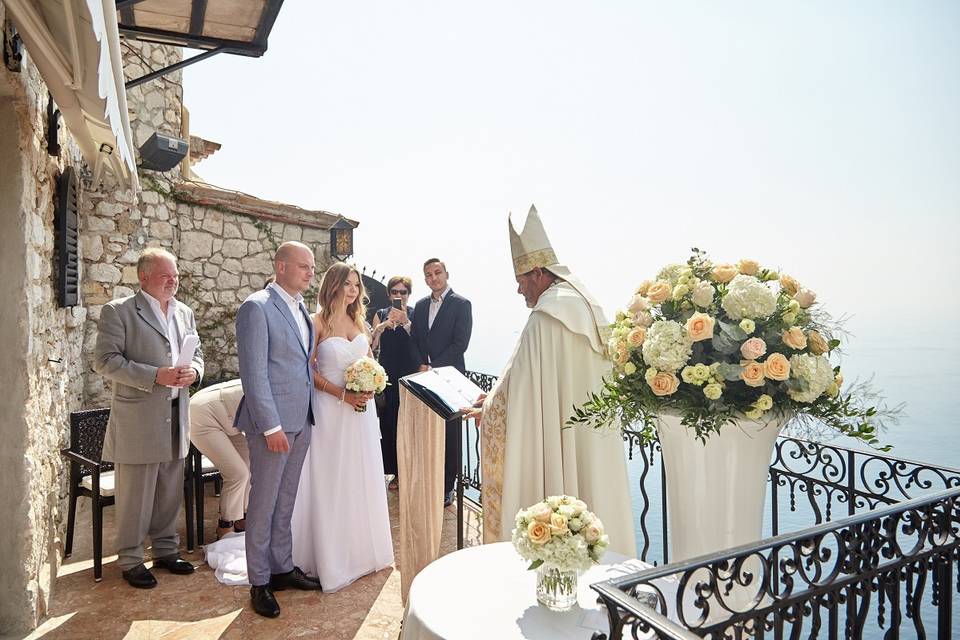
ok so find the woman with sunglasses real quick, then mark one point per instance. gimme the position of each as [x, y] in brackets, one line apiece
[391, 332]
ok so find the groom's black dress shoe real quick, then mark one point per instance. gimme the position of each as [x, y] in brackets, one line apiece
[140, 577]
[174, 564]
[295, 579]
[263, 601]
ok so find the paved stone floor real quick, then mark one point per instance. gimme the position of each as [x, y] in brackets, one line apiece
[197, 607]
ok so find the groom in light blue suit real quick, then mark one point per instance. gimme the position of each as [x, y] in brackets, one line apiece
[275, 341]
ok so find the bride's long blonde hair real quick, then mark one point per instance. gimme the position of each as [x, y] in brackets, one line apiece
[330, 287]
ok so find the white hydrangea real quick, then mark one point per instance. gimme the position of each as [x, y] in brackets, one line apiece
[671, 273]
[747, 297]
[667, 346]
[813, 375]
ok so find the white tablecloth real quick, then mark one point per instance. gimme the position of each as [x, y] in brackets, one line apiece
[487, 592]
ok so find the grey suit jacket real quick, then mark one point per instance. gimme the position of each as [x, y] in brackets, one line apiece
[274, 365]
[131, 346]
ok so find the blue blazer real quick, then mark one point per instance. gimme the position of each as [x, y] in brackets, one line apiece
[447, 340]
[274, 365]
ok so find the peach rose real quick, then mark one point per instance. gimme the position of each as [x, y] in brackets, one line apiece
[659, 291]
[636, 337]
[805, 297]
[753, 348]
[637, 304]
[664, 384]
[752, 373]
[749, 267]
[541, 512]
[789, 284]
[777, 367]
[538, 532]
[700, 327]
[643, 318]
[644, 287]
[794, 338]
[558, 524]
[817, 343]
[724, 272]
[621, 355]
[592, 533]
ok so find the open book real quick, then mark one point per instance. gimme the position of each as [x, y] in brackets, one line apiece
[444, 389]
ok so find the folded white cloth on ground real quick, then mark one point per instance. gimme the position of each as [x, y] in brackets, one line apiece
[228, 559]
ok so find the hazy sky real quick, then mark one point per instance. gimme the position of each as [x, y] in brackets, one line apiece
[819, 137]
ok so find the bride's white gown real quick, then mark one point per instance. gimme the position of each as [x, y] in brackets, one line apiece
[341, 526]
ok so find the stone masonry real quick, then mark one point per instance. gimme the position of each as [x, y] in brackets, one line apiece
[224, 241]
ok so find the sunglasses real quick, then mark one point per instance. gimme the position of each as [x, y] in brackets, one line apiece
[398, 292]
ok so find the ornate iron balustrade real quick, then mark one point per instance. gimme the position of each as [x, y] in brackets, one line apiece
[828, 476]
[818, 581]
[470, 471]
[829, 480]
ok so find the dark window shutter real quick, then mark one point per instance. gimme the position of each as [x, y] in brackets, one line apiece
[66, 223]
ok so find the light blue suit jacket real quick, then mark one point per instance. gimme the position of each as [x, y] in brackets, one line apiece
[274, 365]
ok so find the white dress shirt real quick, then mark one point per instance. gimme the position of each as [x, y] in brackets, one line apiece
[169, 324]
[294, 305]
[435, 307]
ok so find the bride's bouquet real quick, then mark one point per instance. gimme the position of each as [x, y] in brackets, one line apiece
[365, 376]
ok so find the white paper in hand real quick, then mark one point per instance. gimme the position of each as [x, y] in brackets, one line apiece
[187, 349]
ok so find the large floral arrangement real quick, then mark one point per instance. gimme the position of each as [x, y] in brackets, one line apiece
[559, 533]
[365, 376]
[717, 342]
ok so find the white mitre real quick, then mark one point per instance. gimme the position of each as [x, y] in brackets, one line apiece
[531, 249]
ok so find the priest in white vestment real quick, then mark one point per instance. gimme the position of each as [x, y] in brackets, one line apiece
[528, 452]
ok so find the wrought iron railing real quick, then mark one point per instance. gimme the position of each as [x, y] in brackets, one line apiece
[820, 582]
[884, 540]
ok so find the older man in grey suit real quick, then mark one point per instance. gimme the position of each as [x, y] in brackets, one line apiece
[138, 343]
[275, 341]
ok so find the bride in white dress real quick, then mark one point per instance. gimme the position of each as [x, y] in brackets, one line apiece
[341, 526]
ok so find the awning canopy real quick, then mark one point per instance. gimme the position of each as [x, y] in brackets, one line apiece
[232, 26]
[77, 52]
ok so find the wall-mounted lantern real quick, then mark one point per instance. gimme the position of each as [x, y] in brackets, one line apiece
[341, 239]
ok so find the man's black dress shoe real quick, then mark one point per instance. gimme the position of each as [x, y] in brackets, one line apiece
[263, 601]
[448, 499]
[174, 564]
[140, 577]
[295, 579]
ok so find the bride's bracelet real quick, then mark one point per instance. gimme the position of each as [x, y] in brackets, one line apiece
[323, 387]
[343, 394]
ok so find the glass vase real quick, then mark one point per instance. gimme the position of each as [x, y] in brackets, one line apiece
[556, 590]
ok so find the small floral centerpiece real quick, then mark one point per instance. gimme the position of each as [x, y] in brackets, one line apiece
[560, 538]
[366, 376]
[718, 342]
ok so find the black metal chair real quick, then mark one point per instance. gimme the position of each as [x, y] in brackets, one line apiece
[202, 471]
[92, 477]
[87, 429]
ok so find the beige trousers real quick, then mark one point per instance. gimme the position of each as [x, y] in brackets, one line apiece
[232, 458]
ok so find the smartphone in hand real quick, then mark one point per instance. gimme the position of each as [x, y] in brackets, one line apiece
[397, 303]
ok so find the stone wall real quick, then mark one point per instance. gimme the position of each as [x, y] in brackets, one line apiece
[41, 367]
[224, 240]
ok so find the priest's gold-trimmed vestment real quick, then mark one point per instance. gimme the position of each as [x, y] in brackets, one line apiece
[527, 451]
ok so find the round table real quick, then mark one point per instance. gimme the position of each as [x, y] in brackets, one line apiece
[487, 592]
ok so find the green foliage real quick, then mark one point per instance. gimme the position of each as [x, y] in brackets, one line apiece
[627, 401]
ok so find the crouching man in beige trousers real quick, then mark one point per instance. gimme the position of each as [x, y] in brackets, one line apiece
[211, 431]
